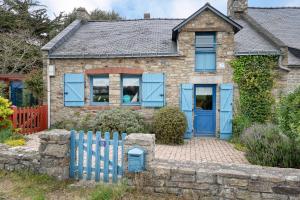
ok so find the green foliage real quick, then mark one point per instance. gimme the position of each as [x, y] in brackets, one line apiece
[5, 134]
[254, 76]
[240, 123]
[5, 113]
[105, 192]
[267, 146]
[121, 120]
[289, 114]
[15, 142]
[34, 83]
[169, 125]
[3, 90]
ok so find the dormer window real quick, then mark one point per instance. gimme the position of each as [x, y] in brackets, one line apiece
[205, 52]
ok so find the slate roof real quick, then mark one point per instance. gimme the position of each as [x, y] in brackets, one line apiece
[283, 23]
[131, 38]
[249, 41]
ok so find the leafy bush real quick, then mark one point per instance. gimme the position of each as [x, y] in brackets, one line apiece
[267, 146]
[34, 83]
[5, 113]
[254, 76]
[119, 119]
[289, 114]
[240, 123]
[169, 125]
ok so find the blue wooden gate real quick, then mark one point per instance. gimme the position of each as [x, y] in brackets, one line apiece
[97, 158]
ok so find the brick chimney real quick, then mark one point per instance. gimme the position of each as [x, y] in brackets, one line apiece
[235, 8]
[146, 15]
[82, 14]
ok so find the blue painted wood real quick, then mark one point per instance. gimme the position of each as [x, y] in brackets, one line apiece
[186, 105]
[205, 58]
[89, 156]
[226, 101]
[153, 90]
[123, 153]
[115, 157]
[72, 154]
[106, 157]
[205, 120]
[80, 154]
[74, 89]
[97, 156]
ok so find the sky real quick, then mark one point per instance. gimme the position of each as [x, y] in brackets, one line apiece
[135, 9]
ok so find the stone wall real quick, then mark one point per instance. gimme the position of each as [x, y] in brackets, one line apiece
[178, 69]
[52, 158]
[212, 181]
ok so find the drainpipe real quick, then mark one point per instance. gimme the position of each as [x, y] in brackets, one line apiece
[280, 64]
[48, 92]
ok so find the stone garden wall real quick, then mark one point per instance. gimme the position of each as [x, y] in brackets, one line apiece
[52, 158]
[213, 181]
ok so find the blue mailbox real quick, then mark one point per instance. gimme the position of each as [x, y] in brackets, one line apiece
[136, 160]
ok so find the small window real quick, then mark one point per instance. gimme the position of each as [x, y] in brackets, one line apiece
[205, 52]
[131, 89]
[99, 90]
[204, 98]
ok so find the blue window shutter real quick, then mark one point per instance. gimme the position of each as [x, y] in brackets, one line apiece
[186, 104]
[205, 51]
[226, 100]
[206, 61]
[153, 90]
[74, 89]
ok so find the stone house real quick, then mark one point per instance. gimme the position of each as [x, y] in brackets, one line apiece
[146, 64]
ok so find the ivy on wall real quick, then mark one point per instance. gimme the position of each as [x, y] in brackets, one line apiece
[255, 76]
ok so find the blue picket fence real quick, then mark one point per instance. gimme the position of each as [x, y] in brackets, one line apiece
[94, 157]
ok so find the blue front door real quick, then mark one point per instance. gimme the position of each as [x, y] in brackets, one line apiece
[205, 110]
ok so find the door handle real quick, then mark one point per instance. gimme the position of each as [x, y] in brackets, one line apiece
[66, 93]
[161, 95]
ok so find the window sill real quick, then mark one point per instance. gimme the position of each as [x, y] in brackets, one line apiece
[206, 71]
[99, 104]
[131, 104]
[109, 107]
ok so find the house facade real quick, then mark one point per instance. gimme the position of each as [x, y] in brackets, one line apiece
[146, 64]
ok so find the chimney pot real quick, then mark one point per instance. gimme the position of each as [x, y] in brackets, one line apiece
[146, 15]
[82, 14]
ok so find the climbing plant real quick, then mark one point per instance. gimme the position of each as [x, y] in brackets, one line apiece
[255, 76]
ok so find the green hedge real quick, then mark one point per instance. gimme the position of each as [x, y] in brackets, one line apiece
[169, 125]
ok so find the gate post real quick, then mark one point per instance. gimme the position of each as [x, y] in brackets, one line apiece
[144, 141]
[54, 150]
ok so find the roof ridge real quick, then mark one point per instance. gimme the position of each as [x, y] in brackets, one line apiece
[124, 20]
[280, 7]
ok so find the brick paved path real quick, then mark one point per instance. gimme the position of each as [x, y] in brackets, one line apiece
[201, 149]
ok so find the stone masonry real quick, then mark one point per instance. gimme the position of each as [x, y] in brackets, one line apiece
[51, 159]
[211, 181]
[178, 69]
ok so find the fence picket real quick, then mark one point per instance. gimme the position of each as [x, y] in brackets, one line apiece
[123, 151]
[106, 157]
[97, 160]
[80, 154]
[89, 156]
[115, 157]
[72, 154]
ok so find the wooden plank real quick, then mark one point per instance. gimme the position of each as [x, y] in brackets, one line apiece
[72, 154]
[123, 153]
[115, 157]
[89, 156]
[97, 155]
[80, 154]
[106, 158]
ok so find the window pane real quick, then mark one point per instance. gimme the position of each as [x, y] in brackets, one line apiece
[100, 90]
[131, 87]
[204, 98]
[205, 41]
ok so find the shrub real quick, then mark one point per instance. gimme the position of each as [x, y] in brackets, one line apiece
[169, 125]
[34, 83]
[119, 119]
[289, 114]
[240, 123]
[266, 145]
[5, 113]
[5, 134]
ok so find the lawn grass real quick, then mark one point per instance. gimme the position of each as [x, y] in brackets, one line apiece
[26, 185]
